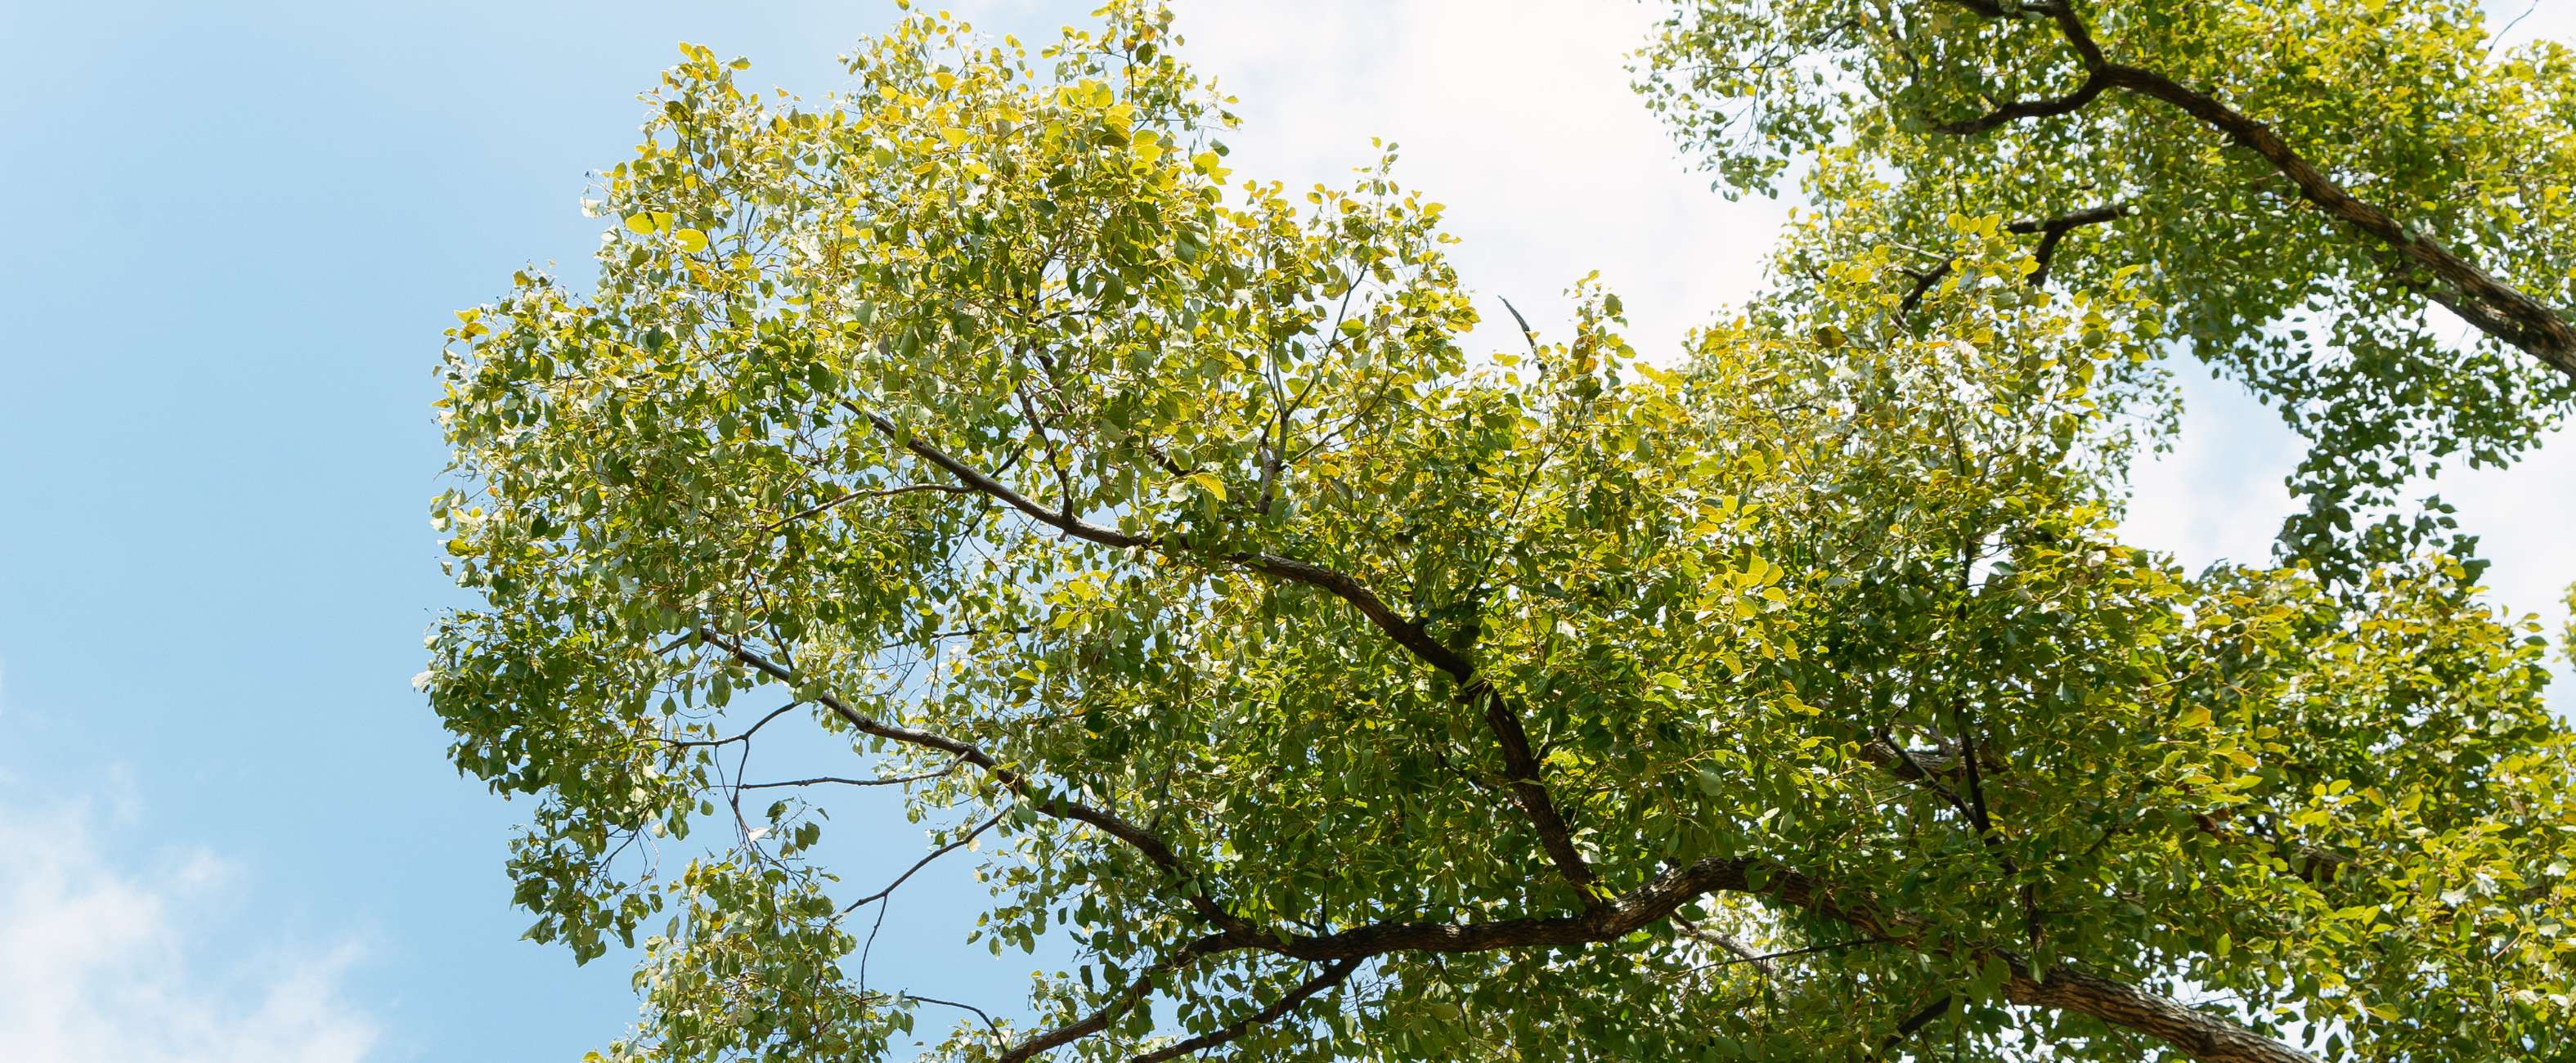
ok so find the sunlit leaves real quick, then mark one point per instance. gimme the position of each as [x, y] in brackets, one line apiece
[2404, 103]
[975, 403]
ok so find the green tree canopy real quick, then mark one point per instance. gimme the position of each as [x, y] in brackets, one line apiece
[2295, 181]
[1339, 692]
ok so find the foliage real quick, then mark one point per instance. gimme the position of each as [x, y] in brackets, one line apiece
[2299, 181]
[1339, 694]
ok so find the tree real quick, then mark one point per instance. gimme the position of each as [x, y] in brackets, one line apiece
[2296, 181]
[1343, 693]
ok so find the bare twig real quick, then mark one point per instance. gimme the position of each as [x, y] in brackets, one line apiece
[935, 854]
[820, 780]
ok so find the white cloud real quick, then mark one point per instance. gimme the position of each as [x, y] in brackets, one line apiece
[102, 961]
[1515, 114]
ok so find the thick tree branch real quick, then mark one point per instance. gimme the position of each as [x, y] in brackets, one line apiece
[1521, 770]
[1616, 917]
[2200, 1035]
[2205, 1037]
[1915, 1023]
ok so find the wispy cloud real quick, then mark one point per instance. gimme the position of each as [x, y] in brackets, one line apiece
[106, 959]
[1515, 114]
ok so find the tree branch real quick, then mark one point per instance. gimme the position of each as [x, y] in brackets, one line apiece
[1101, 1017]
[2207, 1037]
[745, 736]
[1916, 1022]
[935, 854]
[849, 496]
[2051, 232]
[892, 780]
[1760, 961]
[1330, 976]
[2019, 109]
[2204, 1037]
[980, 1013]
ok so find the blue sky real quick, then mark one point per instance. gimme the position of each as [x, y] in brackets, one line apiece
[238, 229]
[227, 827]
